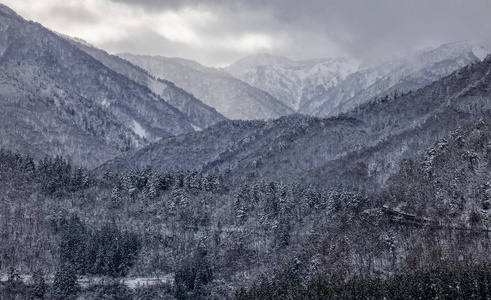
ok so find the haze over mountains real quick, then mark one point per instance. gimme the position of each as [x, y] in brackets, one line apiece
[132, 105]
[319, 87]
[327, 87]
[295, 83]
[231, 97]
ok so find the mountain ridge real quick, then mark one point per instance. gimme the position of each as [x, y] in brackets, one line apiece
[112, 112]
[398, 76]
[293, 82]
[228, 95]
[327, 87]
[198, 112]
[296, 146]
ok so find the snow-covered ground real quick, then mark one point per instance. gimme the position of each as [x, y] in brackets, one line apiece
[86, 281]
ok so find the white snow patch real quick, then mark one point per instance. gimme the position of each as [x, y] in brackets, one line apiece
[157, 87]
[105, 103]
[137, 282]
[138, 129]
[196, 128]
[87, 281]
[480, 52]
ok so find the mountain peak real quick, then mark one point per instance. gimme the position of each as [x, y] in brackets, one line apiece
[458, 48]
[230, 96]
[262, 59]
[293, 82]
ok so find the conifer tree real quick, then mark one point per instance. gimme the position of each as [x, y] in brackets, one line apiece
[65, 283]
[39, 285]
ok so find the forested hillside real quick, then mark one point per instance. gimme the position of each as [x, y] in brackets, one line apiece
[200, 114]
[230, 96]
[153, 223]
[56, 98]
[362, 147]
[428, 232]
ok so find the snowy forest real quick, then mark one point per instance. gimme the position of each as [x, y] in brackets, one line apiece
[137, 177]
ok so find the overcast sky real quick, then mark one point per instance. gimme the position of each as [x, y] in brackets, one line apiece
[218, 32]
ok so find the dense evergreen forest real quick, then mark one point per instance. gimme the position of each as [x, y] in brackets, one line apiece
[67, 232]
[451, 283]
[252, 240]
[61, 219]
[426, 237]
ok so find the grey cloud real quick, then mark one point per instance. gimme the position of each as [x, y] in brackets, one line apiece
[368, 30]
[152, 5]
[75, 14]
[147, 42]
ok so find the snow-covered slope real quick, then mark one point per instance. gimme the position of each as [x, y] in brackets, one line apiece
[360, 148]
[401, 75]
[292, 82]
[230, 96]
[326, 87]
[57, 99]
[200, 114]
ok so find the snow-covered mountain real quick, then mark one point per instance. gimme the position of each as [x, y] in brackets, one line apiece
[401, 75]
[360, 148]
[230, 96]
[292, 82]
[326, 87]
[266, 86]
[57, 99]
[200, 114]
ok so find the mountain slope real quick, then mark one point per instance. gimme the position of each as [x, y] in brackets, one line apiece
[292, 82]
[413, 122]
[362, 147]
[200, 114]
[397, 76]
[328, 87]
[41, 118]
[229, 96]
[449, 180]
[60, 98]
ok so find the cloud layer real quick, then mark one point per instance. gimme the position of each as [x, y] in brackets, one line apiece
[217, 32]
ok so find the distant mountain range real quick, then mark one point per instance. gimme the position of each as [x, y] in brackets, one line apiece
[66, 92]
[295, 83]
[327, 87]
[310, 174]
[360, 148]
[255, 87]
